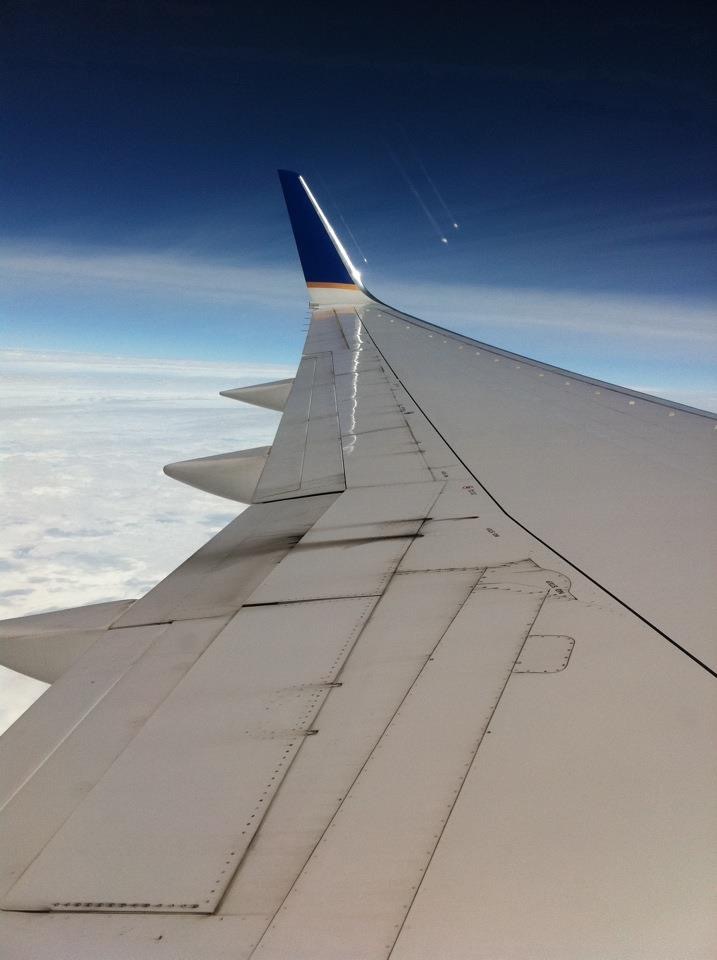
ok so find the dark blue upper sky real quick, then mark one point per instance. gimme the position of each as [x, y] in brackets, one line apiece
[574, 146]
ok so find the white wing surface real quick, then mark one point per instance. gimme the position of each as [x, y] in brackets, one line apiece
[445, 688]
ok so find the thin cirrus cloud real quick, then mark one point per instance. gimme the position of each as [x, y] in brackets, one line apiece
[167, 273]
[608, 315]
[172, 274]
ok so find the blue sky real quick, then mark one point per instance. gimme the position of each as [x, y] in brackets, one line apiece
[141, 213]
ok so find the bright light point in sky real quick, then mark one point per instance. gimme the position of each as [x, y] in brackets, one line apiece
[444, 240]
[455, 226]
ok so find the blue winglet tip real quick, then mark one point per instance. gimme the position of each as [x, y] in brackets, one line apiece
[320, 260]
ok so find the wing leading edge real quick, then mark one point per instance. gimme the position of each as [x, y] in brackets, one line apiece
[412, 702]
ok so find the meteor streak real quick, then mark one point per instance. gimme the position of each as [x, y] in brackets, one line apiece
[431, 182]
[414, 190]
[439, 196]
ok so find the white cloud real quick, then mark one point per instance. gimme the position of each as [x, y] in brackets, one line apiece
[16, 694]
[86, 512]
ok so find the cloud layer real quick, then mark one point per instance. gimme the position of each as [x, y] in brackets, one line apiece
[86, 512]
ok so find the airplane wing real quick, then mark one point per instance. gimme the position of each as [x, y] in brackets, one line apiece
[444, 690]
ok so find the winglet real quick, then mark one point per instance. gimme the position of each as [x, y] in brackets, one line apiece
[328, 271]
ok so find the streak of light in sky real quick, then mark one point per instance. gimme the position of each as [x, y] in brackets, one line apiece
[414, 190]
[437, 192]
[334, 204]
[431, 182]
